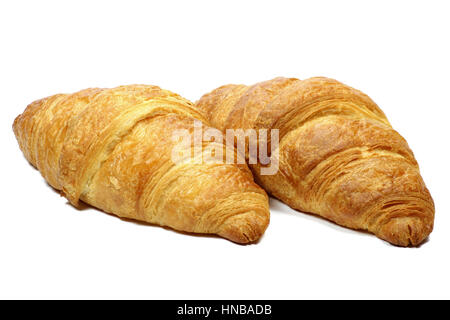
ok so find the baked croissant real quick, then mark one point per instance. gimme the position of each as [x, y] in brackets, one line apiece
[338, 155]
[112, 149]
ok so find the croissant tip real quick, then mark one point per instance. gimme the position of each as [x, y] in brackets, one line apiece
[406, 231]
[245, 228]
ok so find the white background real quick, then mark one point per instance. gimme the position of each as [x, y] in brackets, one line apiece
[395, 51]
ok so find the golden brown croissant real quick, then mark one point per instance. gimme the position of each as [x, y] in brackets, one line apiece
[338, 155]
[112, 149]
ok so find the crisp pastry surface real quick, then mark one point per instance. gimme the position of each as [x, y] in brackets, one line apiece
[338, 155]
[112, 148]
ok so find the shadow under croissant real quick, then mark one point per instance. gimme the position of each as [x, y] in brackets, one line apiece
[277, 204]
[84, 206]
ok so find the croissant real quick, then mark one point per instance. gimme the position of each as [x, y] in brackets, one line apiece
[338, 155]
[112, 148]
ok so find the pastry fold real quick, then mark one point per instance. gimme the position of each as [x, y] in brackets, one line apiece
[338, 155]
[112, 148]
